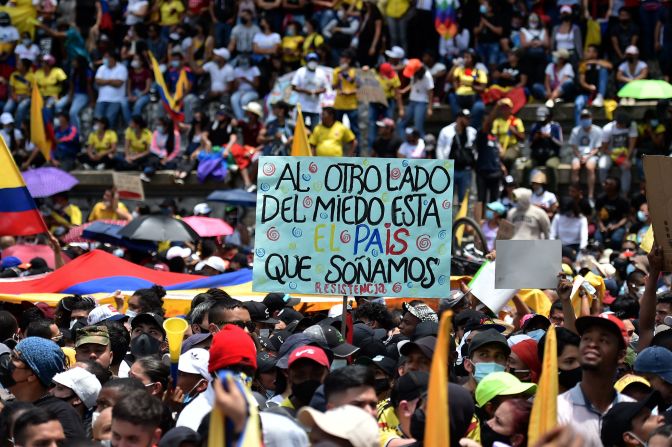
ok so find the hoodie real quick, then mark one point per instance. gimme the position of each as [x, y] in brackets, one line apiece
[529, 222]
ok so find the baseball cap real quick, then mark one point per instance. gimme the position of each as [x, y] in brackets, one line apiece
[312, 57]
[497, 206]
[487, 337]
[529, 320]
[289, 315]
[289, 345]
[420, 311]
[464, 112]
[426, 345]
[619, 418]
[278, 301]
[149, 318]
[628, 380]
[104, 313]
[412, 66]
[266, 361]
[193, 340]
[314, 353]
[232, 346]
[501, 384]
[631, 49]
[330, 336]
[586, 113]
[222, 52]
[195, 361]
[385, 122]
[346, 422]
[386, 70]
[178, 252]
[505, 102]
[655, 360]
[201, 209]
[607, 321]
[543, 112]
[84, 384]
[396, 52]
[6, 118]
[409, 386]
[97, 335]
[10, 261]
[214, 262]
[258, 312]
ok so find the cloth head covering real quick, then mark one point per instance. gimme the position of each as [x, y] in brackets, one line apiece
[44, 357]
[526, 350]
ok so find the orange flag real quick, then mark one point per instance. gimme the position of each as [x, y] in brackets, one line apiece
[300, 145]
[437, 427]
[544, 415]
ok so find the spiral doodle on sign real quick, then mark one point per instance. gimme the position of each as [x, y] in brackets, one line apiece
[292, 285]
[292, 245]
[273, 234]
[268, 169]
[265, 187]
[404, 163]
[306, 177]
[297, 232]
[423, 242]
[442, 234]
[374, 253]
[396, 288]
[442, 279]
[324, 215]
[395, 173]
[345, 236]
[312, 168]
[446, 204]
[260, 252]
[307, 202]
[409, 285]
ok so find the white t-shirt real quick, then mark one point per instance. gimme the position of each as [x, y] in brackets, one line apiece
[420, 89]
[559, 75]
[409, 150]
[625, 69]
[219, 76]
[616, 137]
[545, 200]
[107, 93]
[266, 41]
[246, 73]
[23, 52]
[134, 6]
[8, 34]
[586, 141]
[310, 80]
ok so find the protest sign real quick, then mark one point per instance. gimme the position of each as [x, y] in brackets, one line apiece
[354, 226]
[482, 287]
[369, 88]
[129, 186]
[528, 264]
[657, 171]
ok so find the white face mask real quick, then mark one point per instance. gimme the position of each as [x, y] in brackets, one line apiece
[131, 313]
[312, 65]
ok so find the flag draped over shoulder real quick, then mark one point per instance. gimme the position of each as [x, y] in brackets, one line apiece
[172, 103]
[19, 215]
[445, 18]
[251, 435]
[437, 426]
[38, 133]
[544, 416]
[300, 145]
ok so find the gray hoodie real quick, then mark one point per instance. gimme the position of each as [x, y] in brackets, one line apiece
[529, 222]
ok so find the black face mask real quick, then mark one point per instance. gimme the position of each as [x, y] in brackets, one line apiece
[569, 378]
[303, 392]
[418, 424]
[145, 345]
[6, 370]
[489, 436]
[382, 385]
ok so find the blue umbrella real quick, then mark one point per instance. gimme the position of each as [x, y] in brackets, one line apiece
[109, 234]
[237, 197]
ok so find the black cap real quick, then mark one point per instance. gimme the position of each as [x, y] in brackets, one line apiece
[266, 361]
[490, 336]
[148, 318]
[464, 112]
[409, 386]
[194, 340]
[619, 418]
[386, 364]
[289, 315]
[426, 345]
[536, 320]
[332, 338]
[259, 313]
[468, 317]
[277, 301]
[425, 329]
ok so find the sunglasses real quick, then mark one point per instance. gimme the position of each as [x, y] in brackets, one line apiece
[249, 325]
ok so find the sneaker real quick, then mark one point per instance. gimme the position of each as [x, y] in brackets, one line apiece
[87, 166]
[233, 168]
[550, 103]
[592, 202]
[100, 167]
[144, 177]
[598, 101]
[251, 188]
[179, 181]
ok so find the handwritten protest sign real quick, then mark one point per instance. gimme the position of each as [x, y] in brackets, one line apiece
[657, 172]
[354, 226]
[129, 186]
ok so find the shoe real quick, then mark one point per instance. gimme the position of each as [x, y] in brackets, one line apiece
[251, 188]
[598, 101]
[100, 167]
[179, 181]
[87, 166]
[233, 168]
[591, 201]
[144, 177]
[550, 104]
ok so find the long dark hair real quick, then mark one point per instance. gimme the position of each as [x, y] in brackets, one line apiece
[169, 127]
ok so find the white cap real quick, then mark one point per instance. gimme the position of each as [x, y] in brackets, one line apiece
[632, 50]
[222, 52]
[348, 422]
[395, 53]
[178, 252]
[102, 313]
[6, 118]
[515, 339]
[202, 209]
[254, 107]
[565, 8]
[82, 383]
[214, 262]
[337, 310]
[195, 361]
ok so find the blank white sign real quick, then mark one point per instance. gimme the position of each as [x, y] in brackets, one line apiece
[528, 264]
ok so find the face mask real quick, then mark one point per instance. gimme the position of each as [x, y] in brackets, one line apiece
[189, 397]
[654, 123]
[586, 122]
[106, 62]
[6, 370]
[637, 438]
[174, 64]
[484, 9]
[569, 378]
[489, 436]
[484, 368]
[136, 64]
[340, 14]
[306, 30]
[57, 122]
[344, 66]
[534, 24]
[131, 313]
[312, 65]
[96, 127]
[630, 58]
[145, 345]
[161, 129]
[245, 20]
[27, 42]
[640, 291]
[303, 392]
[489, 214]
[417, 427]
[642, 216]
[566, 17]
[382, 385]
[244, 63]
[538, 190]
[291, 32]
[555, 59]
[536, 334]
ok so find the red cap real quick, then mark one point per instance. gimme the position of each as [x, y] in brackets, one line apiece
[386, 70]
[618, 322]
[411, 67]
[309, 352]
[232, 346]
[48, 311]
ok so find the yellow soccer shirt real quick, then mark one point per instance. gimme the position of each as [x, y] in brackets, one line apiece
[139, 144]
[50, 84]
[389, 85]
[21, 84]
[500, 128]
[329, 141]
[99, 212]
[102, 144]
[467, 78]
[388, 423]
[170, 12]
[343, 82]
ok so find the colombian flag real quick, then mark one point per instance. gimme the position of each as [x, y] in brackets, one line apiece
[172, 103]
[18, 214]
[445, 18]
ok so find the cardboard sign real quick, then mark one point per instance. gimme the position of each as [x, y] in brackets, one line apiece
[354, 226]
[129, 186]
[528, 264]
[369, 88]
[483, 287]
[659, 197]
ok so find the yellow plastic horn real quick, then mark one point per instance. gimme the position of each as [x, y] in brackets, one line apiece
[175, 329]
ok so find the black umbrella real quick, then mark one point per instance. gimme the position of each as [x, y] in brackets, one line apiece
[109, 234]
[238, 197]
[158, 228]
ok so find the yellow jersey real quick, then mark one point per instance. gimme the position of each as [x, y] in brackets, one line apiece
[344, 83]
[500, 128]
[467, 78]
[104, 144]
[50, 84]
[329, 141]
[21, 84]
[388, 423]
[139, 144]
[100, 212]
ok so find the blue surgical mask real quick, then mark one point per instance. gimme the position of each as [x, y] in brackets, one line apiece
[489, 214]
[641, 216]
[586, 122]
[536, 334]
[484, 368]
[174, 64]
[484, 9]
[654, 123]
[106, 62]
[189, 397]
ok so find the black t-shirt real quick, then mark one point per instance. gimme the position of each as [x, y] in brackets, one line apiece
[386, 148]
[486, 35]
[513, 71]
[488, 161]
[67, 415]
[610, 211]
[624, 34]
[592, 74]
[219, 133]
